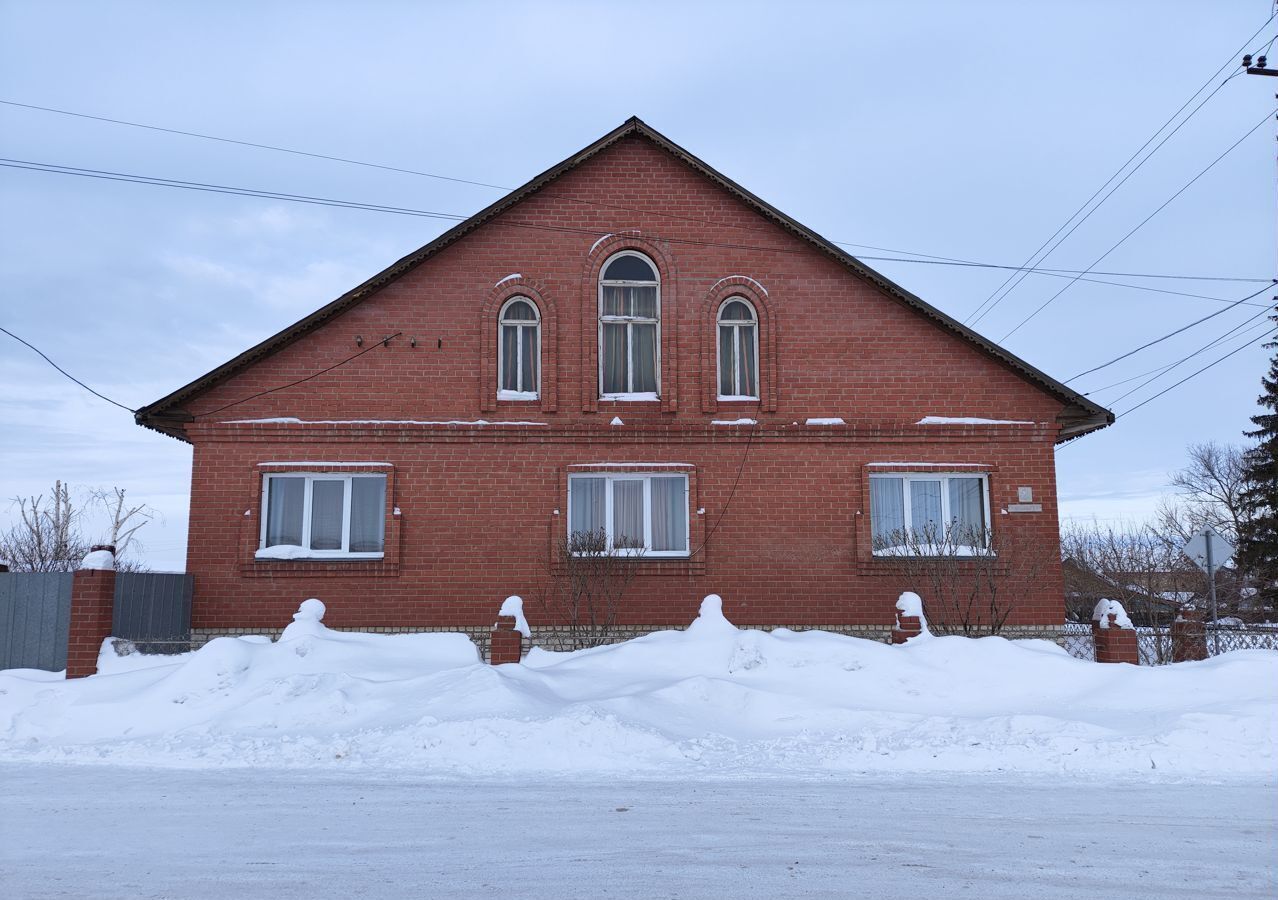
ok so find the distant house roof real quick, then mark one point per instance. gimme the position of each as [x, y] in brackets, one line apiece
[166, 415]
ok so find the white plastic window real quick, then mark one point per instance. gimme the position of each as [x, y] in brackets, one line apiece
[519, 350]
[929, 514]
[629, 328]
[738, 350]
[629, 513]
[323, 516]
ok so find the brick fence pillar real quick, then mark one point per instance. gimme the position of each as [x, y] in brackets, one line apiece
[92, 604]
[1189, 635]
[1114, 635]
[906, 628]
[909, 617]
[506, 645]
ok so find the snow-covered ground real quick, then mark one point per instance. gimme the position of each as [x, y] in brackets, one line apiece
[713, 699]
[115, 833]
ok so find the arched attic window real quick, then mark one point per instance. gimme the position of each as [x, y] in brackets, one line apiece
[629, 328]
[519, 350]
[738, 350]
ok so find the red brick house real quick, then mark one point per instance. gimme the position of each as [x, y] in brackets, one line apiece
[630, 343]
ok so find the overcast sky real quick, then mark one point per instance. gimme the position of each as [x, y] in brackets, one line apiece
[967, 130]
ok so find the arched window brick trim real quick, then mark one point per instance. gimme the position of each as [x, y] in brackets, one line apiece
[488, 347]
[708, 322]
[600, 253]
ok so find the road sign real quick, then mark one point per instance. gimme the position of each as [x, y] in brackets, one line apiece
[1208, 550]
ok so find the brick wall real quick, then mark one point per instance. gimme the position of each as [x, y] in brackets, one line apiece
[479, 504]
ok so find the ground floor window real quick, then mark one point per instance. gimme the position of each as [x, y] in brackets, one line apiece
[634, 514]
[324, 515]
[929, 514]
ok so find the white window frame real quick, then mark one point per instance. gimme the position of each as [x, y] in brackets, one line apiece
[628, 321]
[735, 325]
[311, 478]
[908, 477]
[646, 478]
[535, 323]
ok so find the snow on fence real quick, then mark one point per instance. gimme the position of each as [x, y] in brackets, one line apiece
[1155, 644]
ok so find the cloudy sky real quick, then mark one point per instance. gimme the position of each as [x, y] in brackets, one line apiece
[970, 131]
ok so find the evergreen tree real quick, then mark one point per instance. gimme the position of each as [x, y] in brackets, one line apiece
[1258, 531]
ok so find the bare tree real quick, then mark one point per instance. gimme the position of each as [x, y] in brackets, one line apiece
[969, 578]
[1137, 566]
[126, 520]
[49, 533]
[47, 536]
[583, 594]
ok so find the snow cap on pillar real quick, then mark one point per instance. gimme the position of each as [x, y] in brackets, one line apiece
[101, 558]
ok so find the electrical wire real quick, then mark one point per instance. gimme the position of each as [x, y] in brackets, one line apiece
[206, 187]
[1142, 223]
[1171, 365]
[731, 493]
[384, 342]
[67, 374]
[1032, 257]
[1194, 374]
[1169, 334]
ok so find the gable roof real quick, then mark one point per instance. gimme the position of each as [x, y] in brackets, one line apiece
[165, 415]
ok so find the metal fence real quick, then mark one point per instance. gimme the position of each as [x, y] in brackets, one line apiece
[153, 611]
[35, 618]
[1155, 644]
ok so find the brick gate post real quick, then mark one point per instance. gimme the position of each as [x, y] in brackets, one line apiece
[92, 603]
[1189, 635]
[1114, 634]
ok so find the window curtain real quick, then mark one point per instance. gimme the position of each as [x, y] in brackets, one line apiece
[285, 499]
[925, 511]
[510, 357]
[326, 514]
[726, 362]
[586, 505]
[745, 343]
[887, 511]
[529, 338]
[627, 514]
[670, 514]
[967, 511]
[644, 377]
[614, 359]
[368, 515]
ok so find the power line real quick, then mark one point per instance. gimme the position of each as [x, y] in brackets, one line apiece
[1171, 365]
[45, 357]
[1142, 223]
[1228, 334]
[207, 187]
[223, 140]
[1192, 375]
[1128, 162]
[1169, 334]
[384, 342]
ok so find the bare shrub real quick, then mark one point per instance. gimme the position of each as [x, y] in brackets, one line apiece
[969, 578]
[582, 598]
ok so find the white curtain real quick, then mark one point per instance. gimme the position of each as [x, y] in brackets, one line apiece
[967, 511]
[670, 513]
[644, 377]
[745, 341]
[887, 511]
[510, 357]
[368, 514]
[285, 500]
[925, 511]
[586, 505]
[614, 359]
[326, 514]
[529, 339]
[627, 513]
[726, 362]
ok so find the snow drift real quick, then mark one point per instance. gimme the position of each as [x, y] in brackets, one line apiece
[712, 699]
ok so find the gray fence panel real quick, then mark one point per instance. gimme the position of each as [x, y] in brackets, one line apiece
[153, 610]
[35, 617]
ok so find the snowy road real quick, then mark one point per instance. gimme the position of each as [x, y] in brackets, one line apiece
[130, 833]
